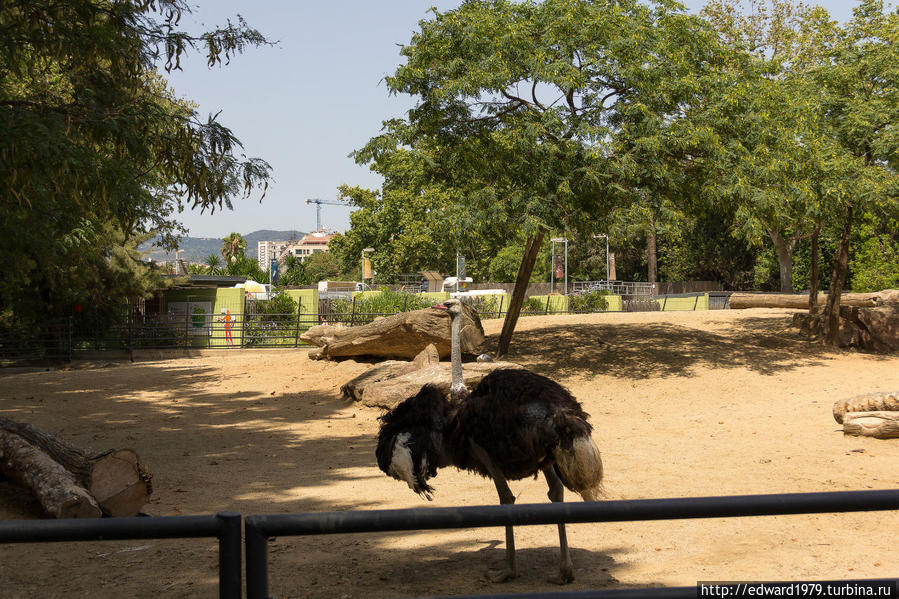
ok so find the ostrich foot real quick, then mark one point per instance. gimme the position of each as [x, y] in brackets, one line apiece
[565, 576]
[501, 575]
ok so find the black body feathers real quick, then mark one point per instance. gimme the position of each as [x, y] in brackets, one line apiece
[519, 418]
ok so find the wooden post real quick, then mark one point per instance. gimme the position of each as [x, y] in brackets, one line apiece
[521, 286]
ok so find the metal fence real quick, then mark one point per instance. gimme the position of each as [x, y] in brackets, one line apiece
[64, 338]
[258, 529]
[225, 526]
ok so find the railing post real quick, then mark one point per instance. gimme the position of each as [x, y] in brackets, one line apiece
[256, 545]
[296, 337]
[230, 586]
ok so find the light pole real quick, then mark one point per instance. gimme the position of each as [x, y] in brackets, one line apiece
[599, 236]
[363, 265]
[564, 240]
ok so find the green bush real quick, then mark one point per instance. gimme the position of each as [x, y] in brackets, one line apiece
[272, 321]
[588, 301]
[532, 305]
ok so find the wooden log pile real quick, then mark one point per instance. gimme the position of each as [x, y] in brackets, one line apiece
[871, 415]
[70, 482]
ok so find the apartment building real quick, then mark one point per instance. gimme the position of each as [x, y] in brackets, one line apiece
[311, 243]
[269, 250]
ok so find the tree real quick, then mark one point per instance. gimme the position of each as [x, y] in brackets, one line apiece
[517, 104]
[765, 117]
[321, 266]
[234, 247]
[295, 273]
[95, 148]
[212, 264]
[861, 107]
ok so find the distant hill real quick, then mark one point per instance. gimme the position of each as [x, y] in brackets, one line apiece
[196, 249]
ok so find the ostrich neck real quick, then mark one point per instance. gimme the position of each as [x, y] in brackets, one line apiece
[458, 385]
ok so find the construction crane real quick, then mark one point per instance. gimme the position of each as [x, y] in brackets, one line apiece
[318, 209]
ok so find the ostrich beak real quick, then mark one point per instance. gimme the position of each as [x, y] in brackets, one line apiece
[440, 307]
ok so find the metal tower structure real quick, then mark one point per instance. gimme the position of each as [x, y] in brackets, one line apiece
[318, 209]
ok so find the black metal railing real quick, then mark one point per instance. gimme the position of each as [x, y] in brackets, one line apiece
[225, 526]
[258, 529]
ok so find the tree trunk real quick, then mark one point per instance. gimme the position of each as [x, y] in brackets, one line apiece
[881, 425]
[518, 293]
[116, 479]
[838, 279]
[612, 274]
[799, 301]
[784, 251]
[402, 335]
[55, 488]
[813, 274]
[651, 256]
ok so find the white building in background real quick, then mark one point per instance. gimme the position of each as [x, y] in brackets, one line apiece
[310, 244]
[269, 250]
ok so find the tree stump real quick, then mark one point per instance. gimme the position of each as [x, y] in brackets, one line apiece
[880, 425]
[116, 479]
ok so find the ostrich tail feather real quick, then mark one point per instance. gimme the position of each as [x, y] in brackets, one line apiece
[580, 467]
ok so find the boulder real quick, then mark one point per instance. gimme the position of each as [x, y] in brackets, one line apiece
[400, 336]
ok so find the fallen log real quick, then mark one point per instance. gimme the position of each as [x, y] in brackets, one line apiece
[869, 402]
[400, 336]
[880, 425]
[739, 301]
[116, 479]
[55, 488]
[386, 389]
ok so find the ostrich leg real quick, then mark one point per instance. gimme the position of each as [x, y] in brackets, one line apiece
[505, 497]
[556, 494]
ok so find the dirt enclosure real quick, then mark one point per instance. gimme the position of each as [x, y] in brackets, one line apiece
[684, 404]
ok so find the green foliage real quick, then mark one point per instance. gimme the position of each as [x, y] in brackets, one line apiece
[383, 302]
[244, 266]
[295, 273]
[234, 246]
[96, 152]
[272, 321]
[875, 265]
[588, 301]
[321, 266]
[533, 305]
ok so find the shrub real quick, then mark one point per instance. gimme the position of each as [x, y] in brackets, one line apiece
[588, 301]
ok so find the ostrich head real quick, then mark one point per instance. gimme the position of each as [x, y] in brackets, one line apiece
[452, 305]
[410, 442]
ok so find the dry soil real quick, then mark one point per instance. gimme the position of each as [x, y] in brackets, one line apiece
[684, 404]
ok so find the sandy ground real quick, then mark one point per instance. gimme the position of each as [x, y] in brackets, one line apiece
[684, 404]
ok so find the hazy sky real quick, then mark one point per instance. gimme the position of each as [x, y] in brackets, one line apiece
[305, 104]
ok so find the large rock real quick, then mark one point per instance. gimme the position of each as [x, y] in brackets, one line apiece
[401, 336]
[386, 385]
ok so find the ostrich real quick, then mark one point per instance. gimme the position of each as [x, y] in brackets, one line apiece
[515, 424]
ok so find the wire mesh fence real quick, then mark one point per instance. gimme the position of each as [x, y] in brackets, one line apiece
[256, 327]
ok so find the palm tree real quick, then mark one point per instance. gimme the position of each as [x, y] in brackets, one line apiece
[212, 263]
[233, 247]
